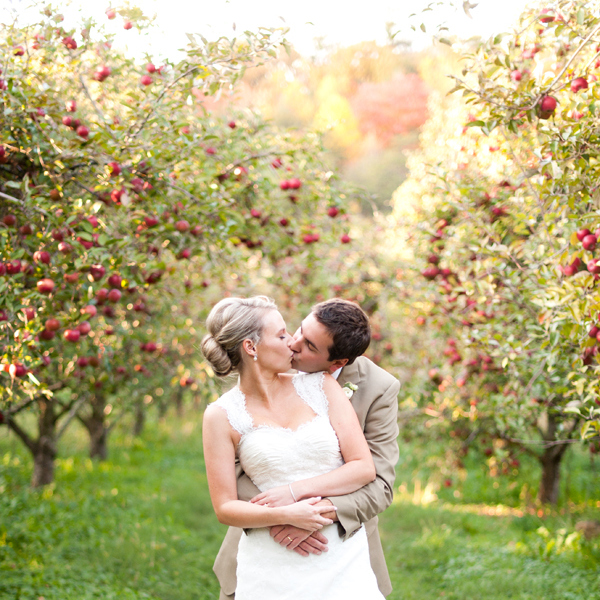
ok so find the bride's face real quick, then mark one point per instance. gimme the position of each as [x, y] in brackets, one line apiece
[272, 351]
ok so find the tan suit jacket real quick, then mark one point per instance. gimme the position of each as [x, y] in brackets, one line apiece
[376, 404]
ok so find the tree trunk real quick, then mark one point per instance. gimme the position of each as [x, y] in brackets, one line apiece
[140, 419]
[162, 409]
[550, 460]
[179, 402]
[43, 466]
[44, 450]
[95, 423]
[550, 482]
[98, 440]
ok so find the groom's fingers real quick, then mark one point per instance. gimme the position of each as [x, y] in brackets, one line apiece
[314, 545]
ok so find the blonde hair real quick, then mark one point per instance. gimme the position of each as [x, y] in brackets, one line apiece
[230, 322]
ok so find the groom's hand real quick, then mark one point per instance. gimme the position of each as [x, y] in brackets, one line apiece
[299, 540]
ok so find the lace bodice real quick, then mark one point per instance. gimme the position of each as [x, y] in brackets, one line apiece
[273, 456]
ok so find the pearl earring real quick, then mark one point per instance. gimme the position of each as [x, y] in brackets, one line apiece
[255, 358]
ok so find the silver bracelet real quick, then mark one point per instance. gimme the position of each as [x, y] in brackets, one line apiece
[292, 492]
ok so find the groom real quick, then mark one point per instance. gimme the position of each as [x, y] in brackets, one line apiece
[332, 338]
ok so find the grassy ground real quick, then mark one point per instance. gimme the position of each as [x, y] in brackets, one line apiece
[141, 526]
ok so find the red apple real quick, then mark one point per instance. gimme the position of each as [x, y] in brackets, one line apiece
[101, 296]
[146, 80]
[26, 229]
[83, 361]
[72, 335]
[9, 220]
[516, 75]
[284, 222]
[70, 43]
[589, 242]
[102, 73]
[115, 281]
[111, 13]
[29, 313]
[182, 226]
[184, 254]
[255, 213]
[295, 184]
[93, 360]
[45, 286]
[210, 151]
[127, 25]
[17, 370]
[41, 256]
[83, 131]
[71, 277]
[333, 211]
[150, 68]
[114, 295]
[232, 124]
[579, 83]
[593, 266]
[547, 107]
[13, 267]
[57, 235]
[276, 163]
[97, 272]
[196, 230]
[52, 324]
[345, 239]
[90, 309]
[151, 221]
[114, 169]
[84, 327]
[65, 248]
[285, 185]
[93, 221]
[582, 233]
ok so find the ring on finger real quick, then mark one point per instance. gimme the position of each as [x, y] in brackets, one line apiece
[289, 538]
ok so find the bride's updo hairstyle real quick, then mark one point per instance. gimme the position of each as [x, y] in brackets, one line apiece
[230, 322]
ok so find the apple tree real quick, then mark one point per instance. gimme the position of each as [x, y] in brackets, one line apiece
[507, 241]
[113, 178]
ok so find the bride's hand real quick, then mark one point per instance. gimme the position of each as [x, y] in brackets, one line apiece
[277, 496]
[307, 515]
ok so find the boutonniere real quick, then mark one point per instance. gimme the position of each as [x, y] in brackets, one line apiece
[349, 389]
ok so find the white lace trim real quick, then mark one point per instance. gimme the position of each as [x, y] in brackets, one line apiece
[234, 404]
[309, 386]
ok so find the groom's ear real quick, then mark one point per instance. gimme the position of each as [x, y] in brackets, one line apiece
[337, 364]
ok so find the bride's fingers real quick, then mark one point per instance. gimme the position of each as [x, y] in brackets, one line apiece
[258, 497]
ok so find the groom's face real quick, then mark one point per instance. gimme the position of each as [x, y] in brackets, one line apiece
[310, 345]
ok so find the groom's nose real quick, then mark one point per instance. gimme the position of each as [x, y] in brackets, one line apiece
[294, 342]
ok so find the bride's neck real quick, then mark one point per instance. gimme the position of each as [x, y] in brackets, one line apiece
[258, 385]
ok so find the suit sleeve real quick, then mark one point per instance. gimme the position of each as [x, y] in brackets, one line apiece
[381, 432]
[246, 490]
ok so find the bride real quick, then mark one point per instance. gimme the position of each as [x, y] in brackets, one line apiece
[298, 438]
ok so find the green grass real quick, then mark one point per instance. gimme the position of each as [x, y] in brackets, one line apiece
[141, 526]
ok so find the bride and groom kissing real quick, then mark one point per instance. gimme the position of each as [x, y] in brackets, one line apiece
[299, 465]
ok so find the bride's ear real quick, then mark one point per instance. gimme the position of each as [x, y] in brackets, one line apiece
[249, 347]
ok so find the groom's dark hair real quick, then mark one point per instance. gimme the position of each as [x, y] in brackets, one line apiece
[348, 325]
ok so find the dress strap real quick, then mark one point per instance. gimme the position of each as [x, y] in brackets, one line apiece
[309, 386]
[234, 404]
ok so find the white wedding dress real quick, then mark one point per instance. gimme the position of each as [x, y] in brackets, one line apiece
[273, 456]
